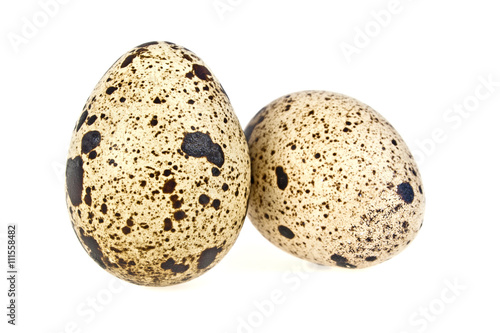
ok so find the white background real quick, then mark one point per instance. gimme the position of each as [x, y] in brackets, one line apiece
[427, 59]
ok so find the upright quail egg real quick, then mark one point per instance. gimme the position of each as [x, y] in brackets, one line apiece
[158, 173]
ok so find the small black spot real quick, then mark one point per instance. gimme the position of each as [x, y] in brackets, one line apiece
[104, 208]
[175, 268]
[157, 101]
[225, 187]
[371, 258]
[168, 264]
[167, 173]
[216, 203]
[215, 172]
[179, 268]
[346, 130]
[179, 215]
[207, 257]
[187, 57]
[176, 203]
[122, 262]
[201, 72]
[199, 144]
[154, 122]
[257, 119]
[94, 248]
[93, 155]
[394, 142]
[128, 60]
[406, 193]
[90, 141]
[294, 147]
[126, 230]
[114, 249]
[190, 101]
[111, 90]
[341, 261]
[282, 178]
[83, 117]
[74, 180]
[167, 224]
[148, 44]
[169, 186]
[92, 120]
[317, 155]
[88, 197]
[420, 190]
[285, 232]
[338, 258]
[204, 199]
[123, 99]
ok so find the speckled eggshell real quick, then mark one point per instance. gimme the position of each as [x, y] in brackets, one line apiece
[158, 172]
[332, 180]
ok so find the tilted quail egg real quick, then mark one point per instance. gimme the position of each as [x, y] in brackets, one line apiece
[332, 180]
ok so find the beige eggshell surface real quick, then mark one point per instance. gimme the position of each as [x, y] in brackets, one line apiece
[158, 172]
[332, 180]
